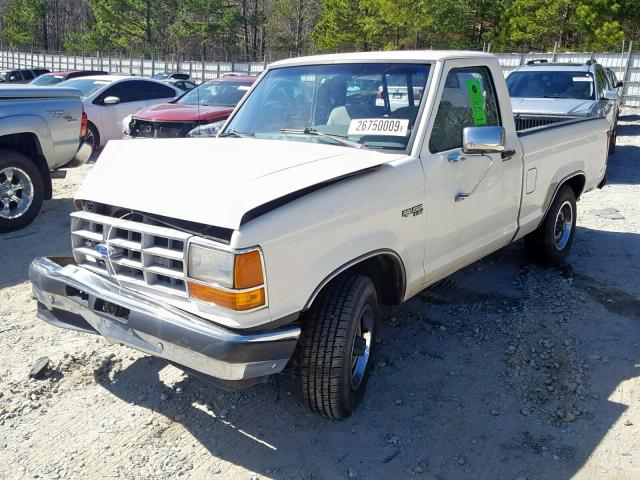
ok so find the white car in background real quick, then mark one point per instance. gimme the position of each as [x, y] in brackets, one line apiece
[108, 99]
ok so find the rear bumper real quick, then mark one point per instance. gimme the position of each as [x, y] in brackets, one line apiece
[74, 298]
[84, 153]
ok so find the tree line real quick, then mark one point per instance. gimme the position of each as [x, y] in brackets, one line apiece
[263, 30]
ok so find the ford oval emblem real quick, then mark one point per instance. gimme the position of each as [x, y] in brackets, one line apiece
[107, 251]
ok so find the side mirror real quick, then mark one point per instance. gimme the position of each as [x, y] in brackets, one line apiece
[611, 95]
[483, 140]
[111, 101]
[619, 84]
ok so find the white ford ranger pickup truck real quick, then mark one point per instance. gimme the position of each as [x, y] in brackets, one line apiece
[325, 194]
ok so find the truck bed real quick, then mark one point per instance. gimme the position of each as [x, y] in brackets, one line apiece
[527, 121]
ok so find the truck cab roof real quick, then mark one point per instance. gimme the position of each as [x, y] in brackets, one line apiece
[417, 56]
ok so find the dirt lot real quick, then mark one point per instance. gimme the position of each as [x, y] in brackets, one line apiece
[504, 371]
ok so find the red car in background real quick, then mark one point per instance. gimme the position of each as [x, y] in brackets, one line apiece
[211, 102]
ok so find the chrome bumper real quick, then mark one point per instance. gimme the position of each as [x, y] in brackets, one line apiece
[84, 153]
[74, 298]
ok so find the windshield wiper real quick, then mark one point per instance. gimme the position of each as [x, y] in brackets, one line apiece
[234, 133]
[312, 131]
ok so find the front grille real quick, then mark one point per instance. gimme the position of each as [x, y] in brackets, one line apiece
[145, 254]
[525, 122]
[148, 129]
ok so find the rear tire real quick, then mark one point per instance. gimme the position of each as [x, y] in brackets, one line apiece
[612, 142]
[21, 191]
[92, 137]
[551, 242]
[337, 346]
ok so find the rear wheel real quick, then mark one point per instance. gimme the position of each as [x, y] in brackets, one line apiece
[92, 137]
[551, 242]
[337, 346]
[21, 191]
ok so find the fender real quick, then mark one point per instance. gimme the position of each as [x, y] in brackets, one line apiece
[30, 124]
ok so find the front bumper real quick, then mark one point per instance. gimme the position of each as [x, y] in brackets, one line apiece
[74, 298]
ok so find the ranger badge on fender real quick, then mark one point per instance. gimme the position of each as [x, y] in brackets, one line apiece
[413, 211]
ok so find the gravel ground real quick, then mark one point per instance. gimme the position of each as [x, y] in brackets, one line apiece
[502, 371]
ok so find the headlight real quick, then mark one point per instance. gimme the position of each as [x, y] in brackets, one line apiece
[208, 130]
[229, 280]
[126, 124]
[211, 266]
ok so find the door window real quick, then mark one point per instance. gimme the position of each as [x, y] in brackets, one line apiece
[15, 77]
[27, 75]
[128, 91]
[468, 100]
[156, 90]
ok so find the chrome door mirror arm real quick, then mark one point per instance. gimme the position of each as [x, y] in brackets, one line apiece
[461, 196]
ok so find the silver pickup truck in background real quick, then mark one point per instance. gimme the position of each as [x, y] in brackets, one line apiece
[40, 131]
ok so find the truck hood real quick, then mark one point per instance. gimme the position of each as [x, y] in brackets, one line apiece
[552, 106]
[216, 181]
[175, 112]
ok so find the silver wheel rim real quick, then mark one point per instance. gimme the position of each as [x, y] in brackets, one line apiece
[563, 225]
[361, 347]
[16, 192]
[90, 138]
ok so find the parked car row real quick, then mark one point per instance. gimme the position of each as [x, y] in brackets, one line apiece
[162, 104]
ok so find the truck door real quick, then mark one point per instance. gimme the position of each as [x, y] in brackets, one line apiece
[462, 229]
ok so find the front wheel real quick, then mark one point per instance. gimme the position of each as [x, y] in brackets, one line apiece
[551, 242]
[21, 191]
[337, 346]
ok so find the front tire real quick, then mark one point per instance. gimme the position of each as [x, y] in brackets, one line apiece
[551, 242]
[337, 346]
[21, 191]
[612, 142]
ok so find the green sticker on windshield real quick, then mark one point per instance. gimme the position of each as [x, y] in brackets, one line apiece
[476, 99]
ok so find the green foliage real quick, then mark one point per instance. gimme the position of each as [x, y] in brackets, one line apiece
[23, 21]
[255, 29]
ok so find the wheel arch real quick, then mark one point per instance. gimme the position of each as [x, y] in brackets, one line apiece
[376, 265]
[576, 181]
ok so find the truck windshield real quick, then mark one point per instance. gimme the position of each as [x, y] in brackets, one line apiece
[551, 84]
[373, 104]
[86, 86]
[216, 94]
[44, 80]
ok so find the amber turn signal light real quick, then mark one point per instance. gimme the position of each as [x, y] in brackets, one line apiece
[248, 270]
[239, 301]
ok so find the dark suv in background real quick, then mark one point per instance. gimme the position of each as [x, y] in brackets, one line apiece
[24, 75]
